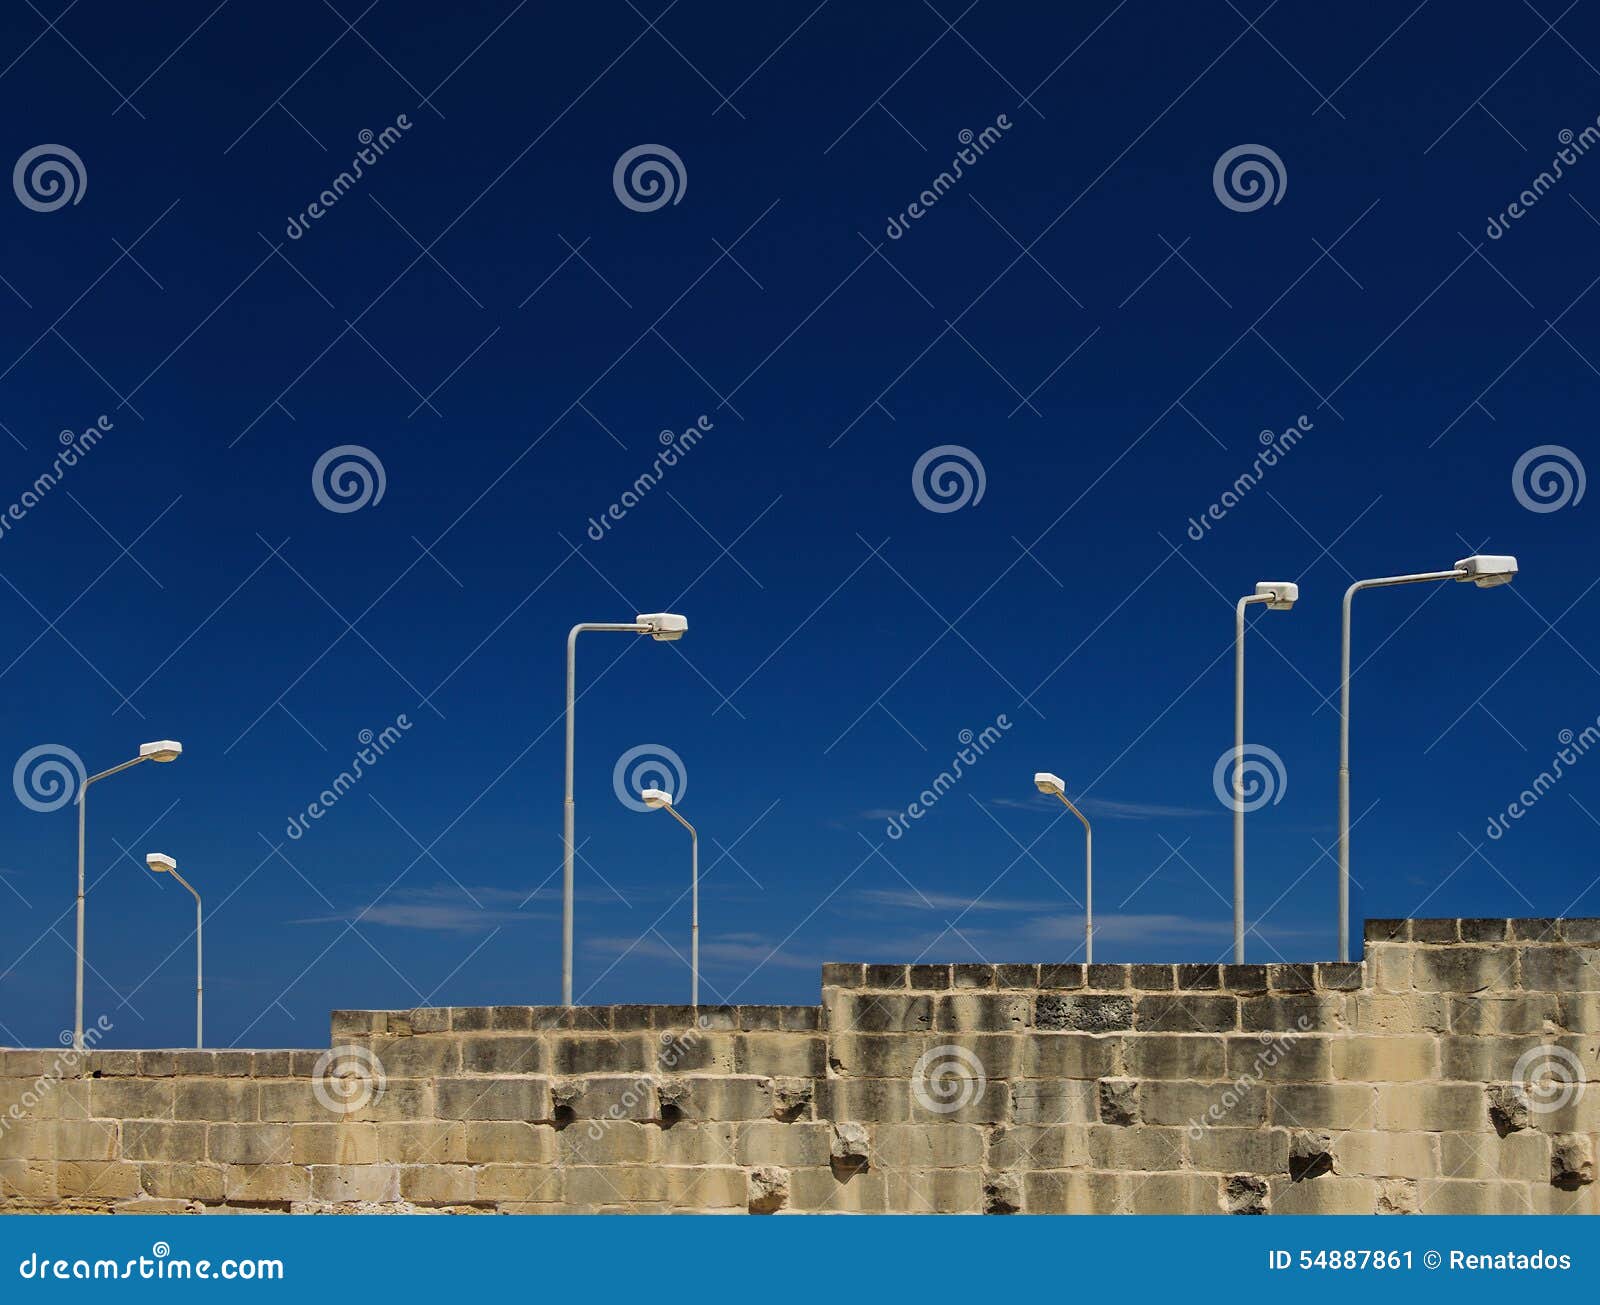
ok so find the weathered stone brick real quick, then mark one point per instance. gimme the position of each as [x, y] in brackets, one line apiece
[1463, 969]
[161, 1140]
[1040, 1101]
[768, 1142]
[1416, 1012]
[614, 1186]
[1016, 976]
[249, 1144]
[1227, 1150]
[103, 1180]
[1244, 978]
[1199, 977]
[1173, 1056]
[929, 978]
[1323, 1105]
[1291, 977]
[1436, 931]
[1493, 930]
[885, 976]
[131, 1098]
[1385, 1060]
[1076, 1191]
[1143, 1150]
[982, 1013]
[414, 1057]
[1329, 1194]
[1387, 931]
[1103, 977]
[1152, 978]
[503, 1053]
[1219, 1104]
[707, 1187]
[85, 1139]
[1431, 1107]
[780, 1054]
[971, 975]
[375, 1184]
[525, 1098]
[837, 974]
[1061, 976]
[1187, 1013]
[185, 1181]
[1171, 1193]
[334, 1144]
[1072, 1055]
[221, 1100]
[1280, 1058]
[607, 1053]
[1517, 1157]
[1366, 1153]
[1084, 1012]
[1559, 969]
[510, 1142]
[438, 1184]
[263, 1183]
[935, 1191]
[1340, 976]
[883, 1012]
[1487, 1014]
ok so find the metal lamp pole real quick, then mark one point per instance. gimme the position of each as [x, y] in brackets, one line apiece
[660, 799]
[660, 626]
[1485, 572]
[1045, 782]
[1278, 596]
[163, 750]
[162, 864]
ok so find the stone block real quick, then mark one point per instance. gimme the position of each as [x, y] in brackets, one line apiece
[497, 1054]
[1436, 931]
[780, 1054]
[1386, 931]
[101, 1180]
[1187, 1013]
[1389, 966]
[131, 1098]
[607, 1142]
[1281, 1058]
[1370, 1154]
[423, 1141]
[1560, 969]
[1046, 1101]
[1330, 1194]
[824, 1191]
[945, 1099]
[214, 1100]
[1294, 1013]
[334, 1144]
[1571, 1161]
[265, 1184]
[509, 1182]
[524, 1098]
[1517, 1157]
[1186, 1105]
[1016, 976]
[995, 1012]
[1431, 1107]
[370, 1184]
[1074, 1055]
[1152, 978]
[871, 1100]
[768, 1142]
[934, 1191]
[881, 1012]
[1324, 1105]
[1293, 977]
[438, 1184]
[183, 1181]
[1083, 1012]
[249, 1144]
[1239, 1150]
[843, 975]
[876, 1055]
[1104, 978]
[85, 1139]
[1521, 1013]
[619, 1187]
[1245, 1194]
[1061, 976]
[1141, 1150]
[1171, 1193]
[1402, 1059]
[607, 1053]
[1340, 976]
[1400, 1013]
[1076, 1191]
[721, 1187]
[929, 978]
[885, 976]
[1464, 969]
[1468, 1196]
[509, 1141]
[162, 1140]
[972, 976]
[696, 1051]
[277, 1101]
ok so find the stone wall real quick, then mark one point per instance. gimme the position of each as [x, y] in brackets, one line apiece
[1451, 1071]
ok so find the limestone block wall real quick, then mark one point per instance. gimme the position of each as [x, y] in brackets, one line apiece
[1453, 1070]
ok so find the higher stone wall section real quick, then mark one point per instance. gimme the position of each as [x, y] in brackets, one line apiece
[1453, 1071]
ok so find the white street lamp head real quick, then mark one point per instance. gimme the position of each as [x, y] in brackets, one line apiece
[160, 862]
[1486, 570]
[161, 750]
[1281, 595]
[655, 798]
[663, 627]
[1045, 782]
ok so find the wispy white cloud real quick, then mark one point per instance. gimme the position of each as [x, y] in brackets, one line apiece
[732, 950]
[955, 902]
[1109, 809]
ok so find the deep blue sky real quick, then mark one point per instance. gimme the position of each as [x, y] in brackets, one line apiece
[842, 636]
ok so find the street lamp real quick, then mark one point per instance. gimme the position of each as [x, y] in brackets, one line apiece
[1279, 596]
[160, 750]
[663, 627]
[1045, 782]
[660, 800]
[1485, 571]
[161, 863]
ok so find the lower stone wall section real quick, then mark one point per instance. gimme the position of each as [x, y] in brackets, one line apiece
[1452, 1071]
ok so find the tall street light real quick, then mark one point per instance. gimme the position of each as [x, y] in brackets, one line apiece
[1279, 596]
[663, 627]
[660, 800]
[161, 863]
[161, 750]
[1045, 782]
[1482, 570]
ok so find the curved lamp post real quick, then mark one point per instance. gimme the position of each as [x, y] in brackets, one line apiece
[1483, 570]
[1279, 596]
[160, 750]
[161, 863]
[663, 627]
[1045, 782]
[660, 800]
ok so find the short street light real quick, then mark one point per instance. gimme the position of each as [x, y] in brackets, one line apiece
[1484, 570]
[160, 750]
[161, 863]
[1045, 782]
[663, 627]
[1279, 596]
[660, 800]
